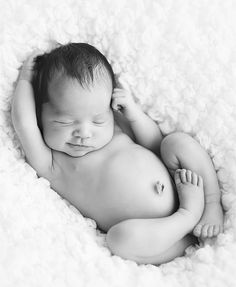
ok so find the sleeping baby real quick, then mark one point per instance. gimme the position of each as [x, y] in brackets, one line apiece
[153, 196]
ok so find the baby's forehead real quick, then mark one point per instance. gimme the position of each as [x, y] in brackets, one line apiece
[78, 113]
[67, 96]
[99, 75]
[61, 85]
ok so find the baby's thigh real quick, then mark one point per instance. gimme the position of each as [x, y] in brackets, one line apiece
[177, 250]
[133, 239]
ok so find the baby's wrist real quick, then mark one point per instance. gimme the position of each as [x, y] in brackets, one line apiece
[25, 74]
[134, 114]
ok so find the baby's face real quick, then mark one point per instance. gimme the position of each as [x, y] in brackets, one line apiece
[77, 120]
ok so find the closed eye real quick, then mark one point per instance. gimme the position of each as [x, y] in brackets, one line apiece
[63, 123]
[99, 122]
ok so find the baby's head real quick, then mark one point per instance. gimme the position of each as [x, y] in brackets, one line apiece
[73, 85]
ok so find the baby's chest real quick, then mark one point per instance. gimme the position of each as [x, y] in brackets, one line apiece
[120, 187]
[76, 186]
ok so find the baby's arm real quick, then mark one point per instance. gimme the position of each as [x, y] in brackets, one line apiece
[24, 120]
[147, 133]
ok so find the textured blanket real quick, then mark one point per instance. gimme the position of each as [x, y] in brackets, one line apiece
[178, 58]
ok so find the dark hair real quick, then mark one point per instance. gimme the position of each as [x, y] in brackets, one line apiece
[76, 60]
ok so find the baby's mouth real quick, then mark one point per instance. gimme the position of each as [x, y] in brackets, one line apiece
[79, 146]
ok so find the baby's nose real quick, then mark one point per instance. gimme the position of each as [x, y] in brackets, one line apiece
[82, 132]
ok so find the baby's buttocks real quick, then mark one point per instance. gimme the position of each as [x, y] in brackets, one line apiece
[134, 184]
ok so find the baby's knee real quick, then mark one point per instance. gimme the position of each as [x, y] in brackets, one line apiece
[116, 239]
[175, 142]
[173, 146]
[119, 239]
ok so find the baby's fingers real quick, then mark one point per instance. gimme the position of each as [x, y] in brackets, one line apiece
[30, 60]
[118, 103]
[119, 93]
[26, 69]
[122, 84]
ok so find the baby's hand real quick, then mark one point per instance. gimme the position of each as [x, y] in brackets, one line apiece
[26, 71]
[123, 102]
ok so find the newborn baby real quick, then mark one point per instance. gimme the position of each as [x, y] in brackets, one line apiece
[109, 159]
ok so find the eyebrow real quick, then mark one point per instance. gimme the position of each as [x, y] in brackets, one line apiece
[61, 113]
[102, 114]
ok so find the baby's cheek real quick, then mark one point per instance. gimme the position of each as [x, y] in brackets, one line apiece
[54, 138]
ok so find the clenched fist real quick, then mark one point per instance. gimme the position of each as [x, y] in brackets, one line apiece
[123, 102]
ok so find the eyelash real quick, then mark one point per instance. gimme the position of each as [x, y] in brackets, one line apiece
[64, 123]
[99, 123]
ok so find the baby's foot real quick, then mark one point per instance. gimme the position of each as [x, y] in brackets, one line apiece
[191, 196]
[211, 223]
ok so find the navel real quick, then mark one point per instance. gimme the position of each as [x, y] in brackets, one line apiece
[159, 187]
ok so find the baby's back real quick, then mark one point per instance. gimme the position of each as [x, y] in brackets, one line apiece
[114, 183]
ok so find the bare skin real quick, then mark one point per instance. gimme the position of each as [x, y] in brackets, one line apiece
[188, 154]
[131, 238]
[90, 155]
[122, 189]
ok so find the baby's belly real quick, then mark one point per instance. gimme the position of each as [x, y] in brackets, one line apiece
[128, 188]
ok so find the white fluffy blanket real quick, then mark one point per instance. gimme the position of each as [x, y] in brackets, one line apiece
[179, 60]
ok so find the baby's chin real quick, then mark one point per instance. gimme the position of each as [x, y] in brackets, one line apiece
[80, 153]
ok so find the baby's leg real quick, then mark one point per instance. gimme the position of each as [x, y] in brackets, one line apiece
[159, 240]
[179, 150]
